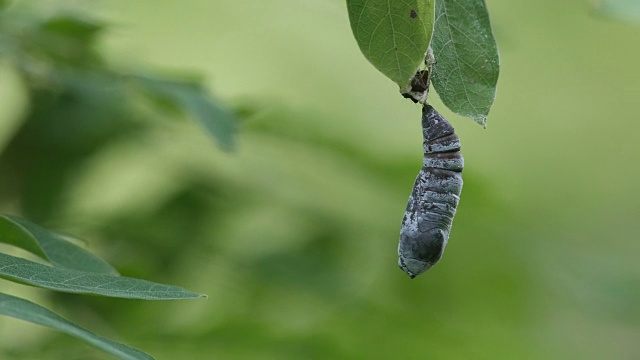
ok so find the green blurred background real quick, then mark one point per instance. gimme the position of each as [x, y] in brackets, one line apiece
[294, 234]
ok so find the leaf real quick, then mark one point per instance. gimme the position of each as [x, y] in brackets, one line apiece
[628, 10]
[31, 273]
[50, 246]
[193, 99]
[28, 311]
[393, 35]
[73, 27]
[466, 66]
[66, 39]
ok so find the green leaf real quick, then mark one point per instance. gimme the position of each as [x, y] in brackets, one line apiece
[73, 27]
[68, 40]
[628, 10]
[466, 66]
[50, 246]
[193, 99]
[28, 311]
[393, 35]
[31, 273]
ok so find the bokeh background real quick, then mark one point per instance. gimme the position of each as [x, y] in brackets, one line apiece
[294, 234]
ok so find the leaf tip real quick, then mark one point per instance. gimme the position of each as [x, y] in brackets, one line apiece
[193, 295]
[482, 120]
[478, 118]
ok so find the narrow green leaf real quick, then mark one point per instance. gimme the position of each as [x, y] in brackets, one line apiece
[75, 27]
[465, 73]
[31, 273]
[50, 246]
[628, 10]
[28, 311]
[393, 35]
[194, 100]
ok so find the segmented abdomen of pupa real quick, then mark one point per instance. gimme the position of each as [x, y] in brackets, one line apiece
[435, 196]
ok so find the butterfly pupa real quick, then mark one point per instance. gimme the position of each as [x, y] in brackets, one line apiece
[435, 196]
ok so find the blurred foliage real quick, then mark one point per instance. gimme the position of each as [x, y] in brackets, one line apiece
[294, 235]
[628, 10]
[78, 102]
[72, 89]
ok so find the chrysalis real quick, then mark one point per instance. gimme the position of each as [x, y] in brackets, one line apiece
[435, 196]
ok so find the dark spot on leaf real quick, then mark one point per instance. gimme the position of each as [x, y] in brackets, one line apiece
[395, 48]
[413, 14]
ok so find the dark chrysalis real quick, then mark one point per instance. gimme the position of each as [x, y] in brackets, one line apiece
[435, 196]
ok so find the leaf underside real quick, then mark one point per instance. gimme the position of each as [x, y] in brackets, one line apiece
[393, 35]
[32, 273]
[466, 66]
